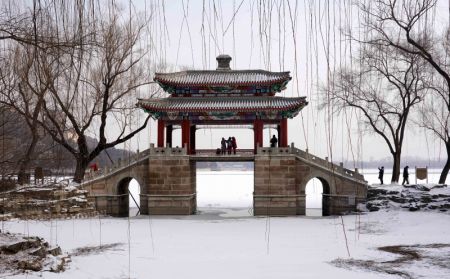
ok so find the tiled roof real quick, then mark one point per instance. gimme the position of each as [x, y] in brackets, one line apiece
[195, 104]
[222, 78]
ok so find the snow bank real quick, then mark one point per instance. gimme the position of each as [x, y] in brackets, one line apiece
[410, 197]
[51, 200]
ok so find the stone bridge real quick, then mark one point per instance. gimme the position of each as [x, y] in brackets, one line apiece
[167, 178]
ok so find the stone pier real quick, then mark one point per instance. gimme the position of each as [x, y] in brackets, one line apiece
[172, 183]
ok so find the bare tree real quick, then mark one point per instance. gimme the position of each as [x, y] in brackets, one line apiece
[408, 27]
[29, 39]
[45, 24]
[74, 74]
[94, 91]
[7, 156]
[28, 97]
[385, 89]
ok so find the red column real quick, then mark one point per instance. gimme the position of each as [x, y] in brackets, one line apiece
[283, 133]
[258, 133]
[169, 130]
[185, 134]
[161, 133]
[192, 139]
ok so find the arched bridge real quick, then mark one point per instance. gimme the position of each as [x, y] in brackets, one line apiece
[167, 177]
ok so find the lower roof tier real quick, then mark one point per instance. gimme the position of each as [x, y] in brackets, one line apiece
[223, 108]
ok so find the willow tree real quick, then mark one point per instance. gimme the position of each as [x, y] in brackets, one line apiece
[93, 94]
[384, 89]
[408, 26]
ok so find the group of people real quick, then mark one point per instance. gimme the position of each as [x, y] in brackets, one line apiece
[405, 175]
[228, 146]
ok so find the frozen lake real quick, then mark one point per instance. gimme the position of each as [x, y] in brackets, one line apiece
[216, 244]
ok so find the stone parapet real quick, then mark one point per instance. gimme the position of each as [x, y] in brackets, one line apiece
[167, 151]
[311, 159]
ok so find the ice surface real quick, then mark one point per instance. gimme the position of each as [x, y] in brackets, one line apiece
[220, 244]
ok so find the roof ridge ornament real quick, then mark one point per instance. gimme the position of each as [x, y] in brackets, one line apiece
[223, 62]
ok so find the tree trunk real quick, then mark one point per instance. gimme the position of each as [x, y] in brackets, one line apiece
[395, 167]
[446, 168]
[82, 164]
[25, 162]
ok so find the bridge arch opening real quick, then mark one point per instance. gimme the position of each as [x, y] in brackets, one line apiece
[128, 192]
[316, 201]
[225, 186]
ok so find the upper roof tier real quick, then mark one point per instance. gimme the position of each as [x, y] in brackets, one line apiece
[223, 80]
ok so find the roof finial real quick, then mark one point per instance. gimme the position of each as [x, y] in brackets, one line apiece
[223, 62]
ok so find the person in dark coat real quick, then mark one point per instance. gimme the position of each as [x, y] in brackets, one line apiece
[273, 141]
[223, 146]
[229, 145]
[405, 175]
[381, 174]
[233, 145]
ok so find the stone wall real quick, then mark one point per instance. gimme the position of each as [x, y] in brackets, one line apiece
[275, 186]
[51, 200]
[172, 185]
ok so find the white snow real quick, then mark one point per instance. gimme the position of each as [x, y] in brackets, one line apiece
[228, 243]
[217, 245]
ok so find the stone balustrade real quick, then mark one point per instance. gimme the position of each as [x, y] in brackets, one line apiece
[167, 151]
[120, 164]
[338, 169]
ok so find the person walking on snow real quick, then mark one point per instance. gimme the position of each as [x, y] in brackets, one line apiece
[405, 175]
[381, 174]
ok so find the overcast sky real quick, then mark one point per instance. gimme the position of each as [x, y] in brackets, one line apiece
[259, 39]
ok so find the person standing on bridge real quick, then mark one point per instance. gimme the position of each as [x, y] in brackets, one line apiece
[223, 146]
[381, 174]
[233, 144]
[273, 141]
[229, 145]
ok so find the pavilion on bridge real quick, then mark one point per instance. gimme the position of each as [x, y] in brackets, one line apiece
[168, 178]
[222, 97]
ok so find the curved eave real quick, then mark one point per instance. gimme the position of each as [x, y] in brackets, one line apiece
[234, 105]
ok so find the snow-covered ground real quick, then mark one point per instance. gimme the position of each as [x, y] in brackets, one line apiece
[217, 244]
[228, 243]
